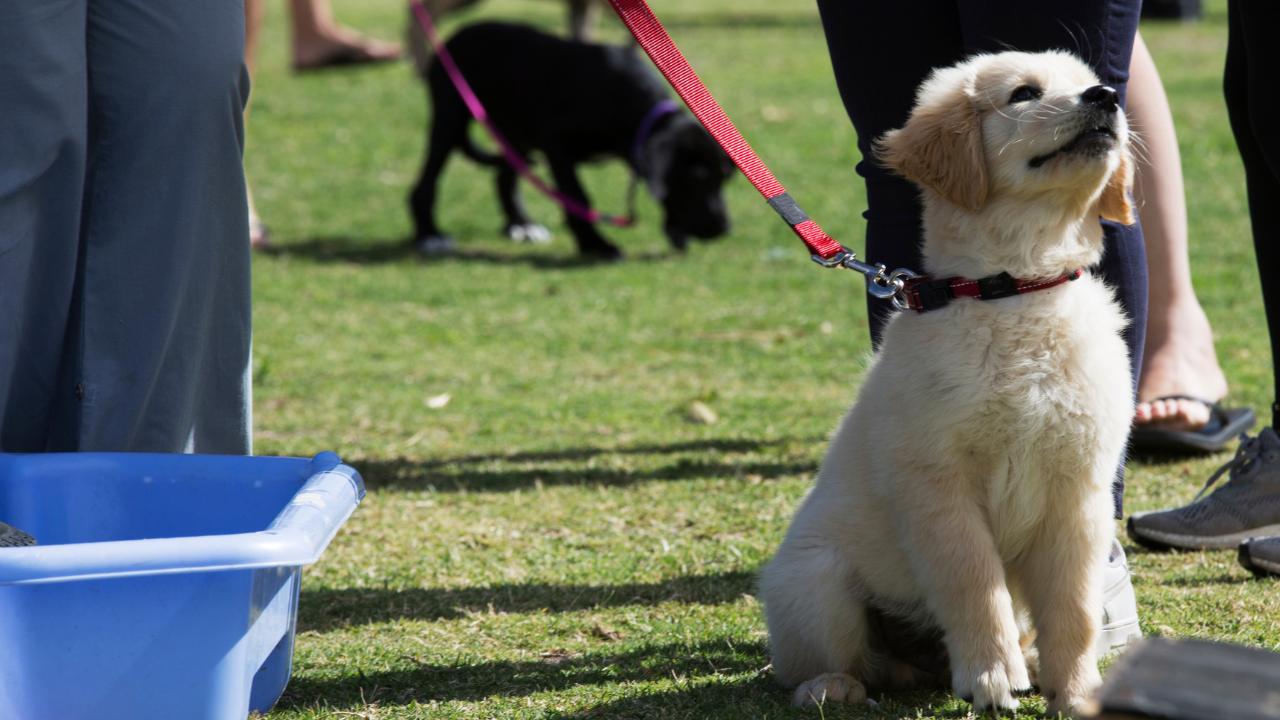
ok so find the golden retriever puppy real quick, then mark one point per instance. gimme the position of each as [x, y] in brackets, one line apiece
[967, 493]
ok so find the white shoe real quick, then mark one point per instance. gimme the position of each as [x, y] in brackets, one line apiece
[1119, 606]
[531, 233]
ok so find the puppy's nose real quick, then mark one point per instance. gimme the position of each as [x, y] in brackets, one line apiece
[1103, 97]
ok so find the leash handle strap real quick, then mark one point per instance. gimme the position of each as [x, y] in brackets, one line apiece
[646, 29]
[513, 158]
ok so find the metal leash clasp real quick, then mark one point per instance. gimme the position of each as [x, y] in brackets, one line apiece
[881, 283]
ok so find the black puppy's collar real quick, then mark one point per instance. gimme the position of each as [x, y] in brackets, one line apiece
[660, 109]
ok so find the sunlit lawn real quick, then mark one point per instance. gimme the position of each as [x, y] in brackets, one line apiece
[560, 538]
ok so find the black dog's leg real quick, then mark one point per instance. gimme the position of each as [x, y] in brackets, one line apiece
[519, 227]
[590, 242]
[447, 126]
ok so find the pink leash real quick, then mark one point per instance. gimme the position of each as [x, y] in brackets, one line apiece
[512, 157]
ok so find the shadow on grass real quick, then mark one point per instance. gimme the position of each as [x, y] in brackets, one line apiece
[1167, 460]
[426, 682]
[398, 250]
[408, 474]
[493, 472]
[345, 250]
[1200, 581]
[754, 697]
[760, 696]
[327, 609]
[586, 453]
[715, 679]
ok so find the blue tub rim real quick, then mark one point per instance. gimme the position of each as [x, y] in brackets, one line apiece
[297, 536]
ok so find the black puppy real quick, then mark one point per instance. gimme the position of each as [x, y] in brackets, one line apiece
[572, 102]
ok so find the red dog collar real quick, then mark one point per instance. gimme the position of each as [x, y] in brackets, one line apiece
[924, 294]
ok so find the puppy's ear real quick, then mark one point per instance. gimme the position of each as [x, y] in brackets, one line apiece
[1114, 205]
[940, 147]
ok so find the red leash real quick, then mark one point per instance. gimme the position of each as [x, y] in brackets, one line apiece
[907, 289]
[824, 249]
[644, 25]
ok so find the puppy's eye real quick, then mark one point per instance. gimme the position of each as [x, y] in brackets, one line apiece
[1024, 93]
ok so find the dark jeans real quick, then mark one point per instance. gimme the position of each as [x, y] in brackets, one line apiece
[881, 51]
[1253, 64]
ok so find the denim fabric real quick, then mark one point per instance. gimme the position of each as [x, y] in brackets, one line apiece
[124, 259]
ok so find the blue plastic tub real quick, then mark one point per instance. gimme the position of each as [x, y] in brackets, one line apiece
[164, 586]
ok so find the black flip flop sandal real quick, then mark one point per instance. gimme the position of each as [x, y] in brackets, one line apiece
[1225, 425]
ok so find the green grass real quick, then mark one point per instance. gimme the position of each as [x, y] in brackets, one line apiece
[560, 539]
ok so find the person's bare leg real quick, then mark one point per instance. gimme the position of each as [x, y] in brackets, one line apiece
[318, 39]
[253, 9]
[1180, 357]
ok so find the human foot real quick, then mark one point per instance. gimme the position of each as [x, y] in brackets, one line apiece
[338, 45]
[1179, 364]
[259, 235]
[1173, 413]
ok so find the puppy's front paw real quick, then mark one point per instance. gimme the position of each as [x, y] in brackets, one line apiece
[829, 687]
[1032, 657]
[531, 233]
[1019, 674]
[989, 688]
[434, 245]
[1070, 706]
[1074, 700]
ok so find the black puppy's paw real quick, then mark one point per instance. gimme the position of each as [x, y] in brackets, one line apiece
[531, 233]
[678, 238]
[434, 245]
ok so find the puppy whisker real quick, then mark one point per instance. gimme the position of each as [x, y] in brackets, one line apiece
[1009, 144]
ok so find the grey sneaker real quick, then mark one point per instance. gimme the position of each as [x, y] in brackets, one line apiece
[1261, 556]
[1247, 505]
[11, 536]
[1119, 606]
